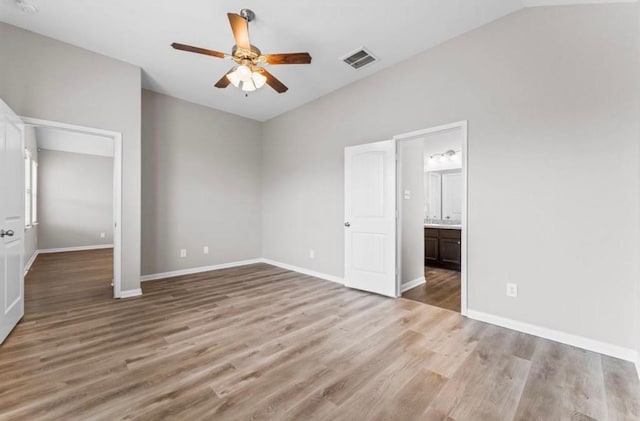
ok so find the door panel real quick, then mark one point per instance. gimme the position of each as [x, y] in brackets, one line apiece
[11, 220]
[368, 252]
[431, 254]
[370, 217]
[452, 196]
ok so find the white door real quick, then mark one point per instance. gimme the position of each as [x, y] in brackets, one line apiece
[12, 202]
[370, 217]
[452, 196]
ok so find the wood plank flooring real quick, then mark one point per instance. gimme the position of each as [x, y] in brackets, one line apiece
[441, 290]
[259, 342]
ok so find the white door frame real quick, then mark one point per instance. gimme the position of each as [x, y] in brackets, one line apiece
[463, 125]
[117, 187]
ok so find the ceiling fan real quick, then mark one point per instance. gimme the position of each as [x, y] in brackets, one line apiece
[248, 75]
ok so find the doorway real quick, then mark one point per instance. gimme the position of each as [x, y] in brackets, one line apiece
[84, 144]
[432, 216]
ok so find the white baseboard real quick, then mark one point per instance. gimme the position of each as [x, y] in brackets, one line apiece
[173, 273]
[130, 293]
[79, 248]
[557, 336]
[412, 284]
[638, 364]
[32, 259]
[304, 271]
[181, 272]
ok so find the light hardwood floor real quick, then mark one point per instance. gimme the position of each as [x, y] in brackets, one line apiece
[442, 289]
[259, 342]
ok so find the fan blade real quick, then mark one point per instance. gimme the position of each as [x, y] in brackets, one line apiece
[240, 28]
[274, 83]
[224, 81]
[288, 58]
[197, 50]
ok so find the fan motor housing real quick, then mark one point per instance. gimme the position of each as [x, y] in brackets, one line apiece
[243, 54]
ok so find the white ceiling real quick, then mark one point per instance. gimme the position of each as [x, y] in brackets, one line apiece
[140, 32]
[68, 141]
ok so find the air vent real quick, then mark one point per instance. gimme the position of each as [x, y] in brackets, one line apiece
[360, 58]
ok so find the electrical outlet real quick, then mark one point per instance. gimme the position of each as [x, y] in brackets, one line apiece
[183, 252]
[512, 290]
[102, 235]
[312, 254]
[205, 250]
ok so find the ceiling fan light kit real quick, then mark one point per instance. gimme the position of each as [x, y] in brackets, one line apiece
[248, 75]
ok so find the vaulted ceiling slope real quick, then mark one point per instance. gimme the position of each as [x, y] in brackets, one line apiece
[140, 32]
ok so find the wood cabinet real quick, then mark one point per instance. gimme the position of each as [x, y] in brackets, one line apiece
[442, 248]
[431, 253]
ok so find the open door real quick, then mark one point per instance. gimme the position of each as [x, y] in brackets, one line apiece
[370, 217]
[12, 201]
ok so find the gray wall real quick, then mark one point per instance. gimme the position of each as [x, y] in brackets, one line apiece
[411, 159]
[31, 235]
[51, 80]
[75, 200]
[551, 96]
[201, 185]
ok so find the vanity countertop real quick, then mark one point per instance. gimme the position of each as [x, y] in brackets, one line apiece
[448, 226]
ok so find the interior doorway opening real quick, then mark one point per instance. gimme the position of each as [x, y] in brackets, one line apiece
[84, 165]
[432, 216]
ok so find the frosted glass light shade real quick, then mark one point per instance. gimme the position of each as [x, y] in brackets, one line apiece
[233, 78]
[258, 79]
[243, 72]
[248, 86]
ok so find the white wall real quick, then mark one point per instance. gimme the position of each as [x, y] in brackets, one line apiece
[551, 96]
[31, 234]
[201, 185]
[47, 79]
[412, 210]
[75, 200]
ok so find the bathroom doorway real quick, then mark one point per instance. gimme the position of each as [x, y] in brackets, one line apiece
[432, 216]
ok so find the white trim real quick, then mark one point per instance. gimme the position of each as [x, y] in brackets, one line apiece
[304, 271]
[557, 336]
[638, 364]
[117, 187]
[130, 293]
[464, 126]
[190, 271]
[412, 284]
[545, 3]
[30, 261]
[79, 248]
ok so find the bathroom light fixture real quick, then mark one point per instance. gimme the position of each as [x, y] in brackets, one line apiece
[449, 155]
[26, 7]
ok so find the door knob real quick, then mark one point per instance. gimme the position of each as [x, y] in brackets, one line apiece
[346, 224]
[8, 233]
